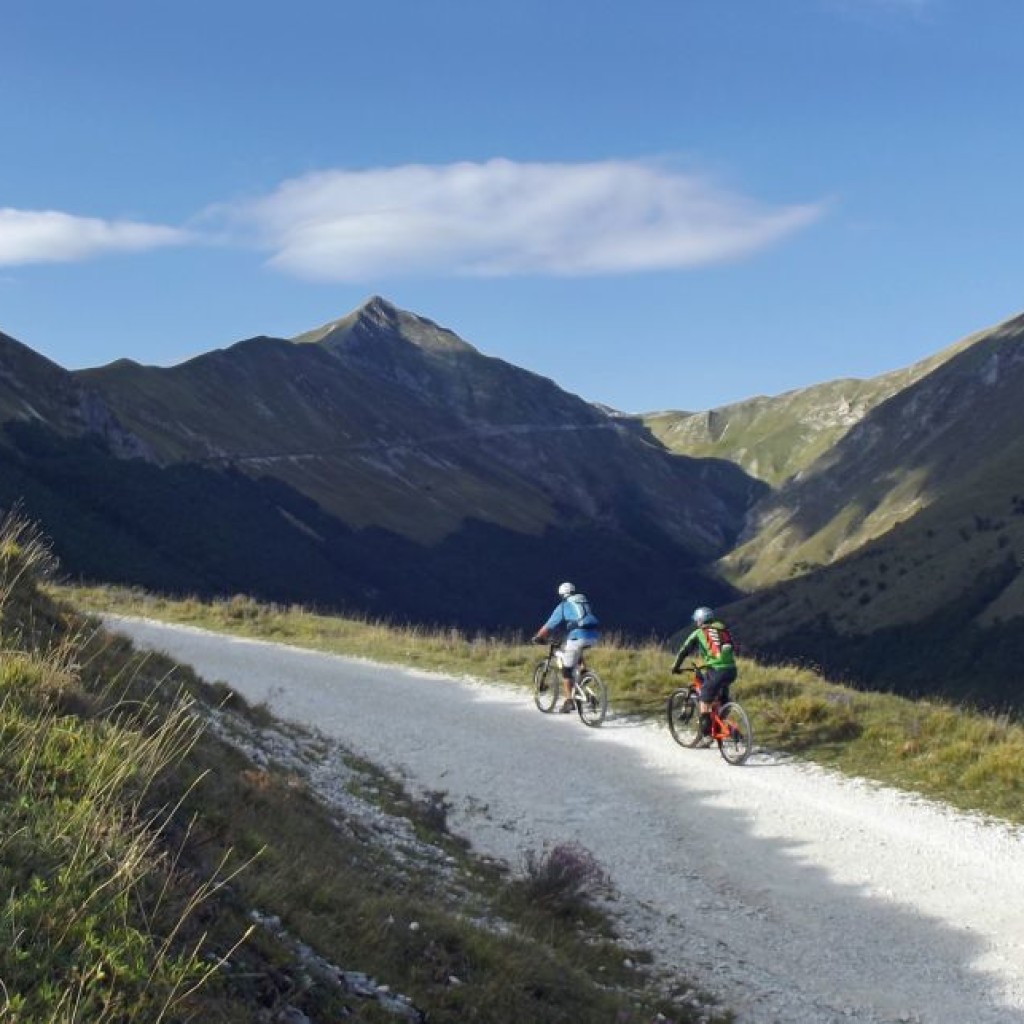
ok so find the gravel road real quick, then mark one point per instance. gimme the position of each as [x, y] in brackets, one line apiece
[796, 895]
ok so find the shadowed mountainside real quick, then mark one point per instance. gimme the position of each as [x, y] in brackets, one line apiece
[378, 465]
[907, 538]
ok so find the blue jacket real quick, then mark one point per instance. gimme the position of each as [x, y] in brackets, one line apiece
[574, 615]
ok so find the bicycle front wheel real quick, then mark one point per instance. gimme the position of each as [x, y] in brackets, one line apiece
[592, 703]
[545, 685]
[684, 717]
[736, 747]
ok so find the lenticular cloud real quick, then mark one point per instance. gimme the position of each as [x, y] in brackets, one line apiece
[48, 236]
[501, 218]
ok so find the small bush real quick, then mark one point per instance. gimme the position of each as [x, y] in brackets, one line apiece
[432, 811]
[563, 877]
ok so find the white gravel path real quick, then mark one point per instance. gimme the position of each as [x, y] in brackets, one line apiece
[797, 895]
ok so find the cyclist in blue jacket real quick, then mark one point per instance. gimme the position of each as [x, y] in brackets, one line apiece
[574, 618]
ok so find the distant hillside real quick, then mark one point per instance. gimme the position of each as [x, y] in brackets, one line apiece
[35, 390]
[378, 464]
[387, 420]
[910, 451]
[779, 437]
[916, 521]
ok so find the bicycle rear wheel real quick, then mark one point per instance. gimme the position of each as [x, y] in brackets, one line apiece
[737, 746]
[545, 685]
[592, 704]
[684, 717]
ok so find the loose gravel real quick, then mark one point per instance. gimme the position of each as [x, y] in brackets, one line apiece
[797, 895]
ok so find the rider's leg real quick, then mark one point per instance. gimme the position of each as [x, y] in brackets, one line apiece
[711, 690]
[568, 658]
[705, 719]
[726, 677]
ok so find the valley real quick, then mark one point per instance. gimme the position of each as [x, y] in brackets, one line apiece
[874, 528]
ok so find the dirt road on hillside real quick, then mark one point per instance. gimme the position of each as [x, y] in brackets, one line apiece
[798, 896]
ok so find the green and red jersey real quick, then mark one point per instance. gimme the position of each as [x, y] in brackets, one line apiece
[714, 641]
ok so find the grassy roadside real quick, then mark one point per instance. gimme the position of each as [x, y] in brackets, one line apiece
[170, 853]
[956, 754]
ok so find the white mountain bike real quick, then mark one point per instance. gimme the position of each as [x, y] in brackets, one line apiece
[589, 692]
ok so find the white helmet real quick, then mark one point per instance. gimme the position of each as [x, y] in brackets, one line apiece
[702, 615]
[566, 589]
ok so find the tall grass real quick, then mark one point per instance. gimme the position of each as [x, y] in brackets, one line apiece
[95, 923]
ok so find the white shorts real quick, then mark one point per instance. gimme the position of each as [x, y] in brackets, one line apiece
[569, 653]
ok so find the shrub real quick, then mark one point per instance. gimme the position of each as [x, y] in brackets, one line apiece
[563, 877]
[432, 810]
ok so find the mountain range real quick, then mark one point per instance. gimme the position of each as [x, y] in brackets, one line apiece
[381, 465]
[890, 547]
[378, 465]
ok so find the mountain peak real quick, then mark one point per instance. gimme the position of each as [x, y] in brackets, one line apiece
[378, 323]
[377, 307]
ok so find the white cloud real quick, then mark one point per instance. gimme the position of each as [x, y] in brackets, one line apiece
[501, 218]
[48, 236]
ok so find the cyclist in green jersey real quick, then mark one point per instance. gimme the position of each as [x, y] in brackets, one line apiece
[711, 644]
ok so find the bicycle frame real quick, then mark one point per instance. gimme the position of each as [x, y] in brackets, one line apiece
[731, 730]
[586, 689]
[578, 669]
[719, 729]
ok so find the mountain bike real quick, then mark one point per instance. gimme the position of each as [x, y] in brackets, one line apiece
[589, 692]
[730, 724]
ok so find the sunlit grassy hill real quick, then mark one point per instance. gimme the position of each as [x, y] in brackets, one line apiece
[890, 550]
[901, 549]
[917, 449]
[779, 437]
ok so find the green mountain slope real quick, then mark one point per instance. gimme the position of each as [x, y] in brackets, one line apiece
[385, 419]
[776, 438]
[379, 465]
[907, 453]
[35, 390]
[935, 598]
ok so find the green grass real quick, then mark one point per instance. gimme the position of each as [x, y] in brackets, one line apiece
[154, 869]
[83, 848]
[935, 748]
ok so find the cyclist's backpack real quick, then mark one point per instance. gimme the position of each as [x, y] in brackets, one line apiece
[586, 618]
[717, 637]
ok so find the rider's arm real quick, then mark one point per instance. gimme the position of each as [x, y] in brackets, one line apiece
[555, 620]
[689, 643]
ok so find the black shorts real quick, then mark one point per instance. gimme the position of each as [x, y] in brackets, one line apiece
[715, 683]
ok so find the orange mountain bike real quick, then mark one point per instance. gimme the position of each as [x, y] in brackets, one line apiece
[730, 724]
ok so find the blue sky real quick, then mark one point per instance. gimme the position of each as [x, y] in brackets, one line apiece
[659, 204]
